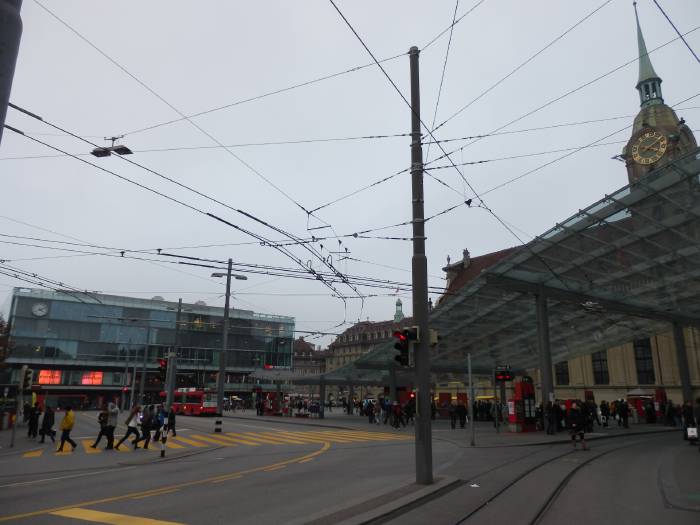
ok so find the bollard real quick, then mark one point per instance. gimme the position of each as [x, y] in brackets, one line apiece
[163, 440]
[217, 425]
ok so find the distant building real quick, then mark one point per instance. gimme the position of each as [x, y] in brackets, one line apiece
[86, 346]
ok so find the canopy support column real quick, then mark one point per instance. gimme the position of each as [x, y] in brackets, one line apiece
[351, 396]
[321, 399]
[682, 360]
[392, 384]
[546, 381]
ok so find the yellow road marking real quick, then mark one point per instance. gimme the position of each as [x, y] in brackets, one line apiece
[251, 437]
[213, 479]
[172, 444]
[287, 440]
[238, 441]
[239, 476]
[86, 446]
[323, 436]
[305, 440]
[306, 460]
[33, 453]
[208, 439]
[189, 442]
[65, 452]
[270, 469]
[109, 517]
[155, 493]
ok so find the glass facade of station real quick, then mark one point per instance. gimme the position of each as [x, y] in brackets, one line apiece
[77, 339]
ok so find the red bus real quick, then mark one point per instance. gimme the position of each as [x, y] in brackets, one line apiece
[193, 402]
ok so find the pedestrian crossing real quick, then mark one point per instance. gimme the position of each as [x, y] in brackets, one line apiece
[236, 439]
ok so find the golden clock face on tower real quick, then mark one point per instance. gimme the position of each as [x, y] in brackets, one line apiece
[649, 147]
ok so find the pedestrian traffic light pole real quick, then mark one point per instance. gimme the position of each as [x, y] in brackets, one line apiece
[224, 346]
[172, 360]
[419, 266]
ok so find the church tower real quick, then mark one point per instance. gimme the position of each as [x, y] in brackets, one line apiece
[658, 135]
[398, 315]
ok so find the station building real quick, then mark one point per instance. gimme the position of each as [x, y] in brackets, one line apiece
[89, 348]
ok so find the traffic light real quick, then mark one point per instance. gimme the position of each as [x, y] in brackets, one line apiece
[27, 378]
[402, 346]
[403, 343]
[503, 374]
[162, 369]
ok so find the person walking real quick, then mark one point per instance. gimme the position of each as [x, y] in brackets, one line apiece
[461, 411]
[171, 421]
[576, 422]
[624, 411]
[146, 424]
[66, 426]
[157, 423]
[112, 421]
[550, 417]
[33, 422]
[47, 425]
[452, 412]
[102, 421]
[132, 422]
[604, 412]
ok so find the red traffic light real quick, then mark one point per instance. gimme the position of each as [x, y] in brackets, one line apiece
[400, 335]
[413, 394]
[163, 363]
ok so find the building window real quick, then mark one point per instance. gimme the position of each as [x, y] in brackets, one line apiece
[561, 373]
[644, 361]
[599, 361]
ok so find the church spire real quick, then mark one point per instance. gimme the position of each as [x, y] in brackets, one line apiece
[649, 84]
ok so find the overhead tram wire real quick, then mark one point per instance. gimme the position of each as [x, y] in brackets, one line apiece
[176, 110]
[285, 89]
[66, 288]
[304, 141]
[442, 76]
[557, 99]
[445, 154]
[451, 26]
[595, 143]
[218, 264]
[308, 248]
[181, 203]
[521, 65]
[678, 32]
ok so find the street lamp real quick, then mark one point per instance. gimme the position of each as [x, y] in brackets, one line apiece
[106, 151]
[224, 345]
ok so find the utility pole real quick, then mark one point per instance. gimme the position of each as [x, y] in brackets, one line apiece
[224, 347]
[10, 35]
[171, 373]
[471, 399]
[142, 383]
[419, 266]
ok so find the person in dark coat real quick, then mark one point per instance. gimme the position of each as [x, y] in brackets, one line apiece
[47, 425]
[461, 411]
[605, 412]
[171, 421]
[576, 423]
[452, 411]
[102, 421]
[33, 422]
[550, 417]
[624, 410]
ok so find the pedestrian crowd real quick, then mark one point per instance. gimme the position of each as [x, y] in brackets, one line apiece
[154, 421]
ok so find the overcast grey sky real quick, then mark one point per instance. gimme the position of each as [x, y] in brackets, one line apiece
[202, 55]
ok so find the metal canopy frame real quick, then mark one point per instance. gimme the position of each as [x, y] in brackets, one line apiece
[626, 267]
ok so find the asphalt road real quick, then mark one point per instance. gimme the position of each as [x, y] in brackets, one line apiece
[268, 472]
[260, 473]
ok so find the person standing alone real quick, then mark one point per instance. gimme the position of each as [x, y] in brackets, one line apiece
[66, 426]
[47, 425]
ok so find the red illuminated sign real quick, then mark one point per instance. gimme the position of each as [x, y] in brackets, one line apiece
[92, 378]
[49, 377]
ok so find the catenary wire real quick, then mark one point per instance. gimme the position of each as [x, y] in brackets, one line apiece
[678, 32]
[560, 97]
[522, 64]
